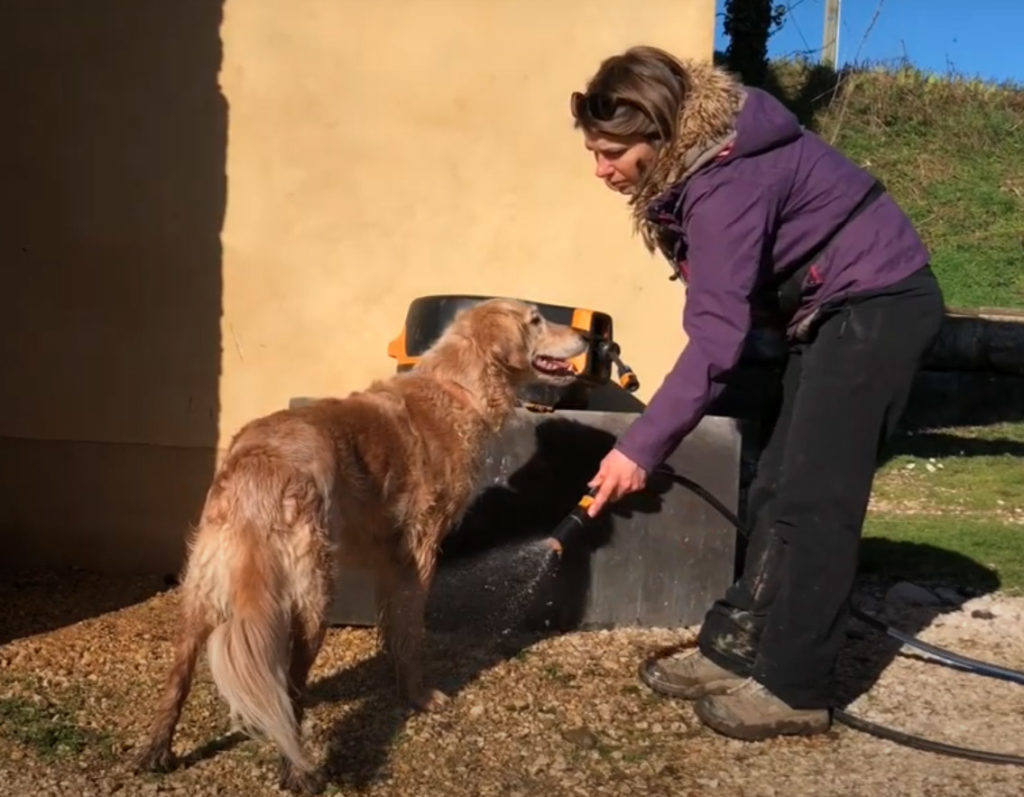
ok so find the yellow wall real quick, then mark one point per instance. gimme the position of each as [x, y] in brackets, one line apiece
[209, 211]
[379, 152]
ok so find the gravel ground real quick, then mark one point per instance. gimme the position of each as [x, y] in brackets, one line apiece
[558, 715]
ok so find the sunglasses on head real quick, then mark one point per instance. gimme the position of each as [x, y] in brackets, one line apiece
[598, 106]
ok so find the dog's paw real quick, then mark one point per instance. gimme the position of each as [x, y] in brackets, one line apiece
[298, 782]
[158, 758]
[429, 700]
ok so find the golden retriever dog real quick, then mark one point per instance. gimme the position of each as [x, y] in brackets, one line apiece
[376, 478]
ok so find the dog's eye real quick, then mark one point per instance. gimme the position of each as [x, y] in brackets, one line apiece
[535, 319]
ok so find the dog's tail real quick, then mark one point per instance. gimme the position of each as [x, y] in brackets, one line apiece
[249, 654]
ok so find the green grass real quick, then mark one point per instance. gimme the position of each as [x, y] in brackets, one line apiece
[950, 150]
[973, 470]
[982, 555]
[48, 729]
[948, 506]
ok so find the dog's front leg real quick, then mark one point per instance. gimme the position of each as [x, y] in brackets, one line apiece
[403, 595]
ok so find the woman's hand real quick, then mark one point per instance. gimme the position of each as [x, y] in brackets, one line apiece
[617, 476]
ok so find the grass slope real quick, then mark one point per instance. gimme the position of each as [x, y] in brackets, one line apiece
[950, 150]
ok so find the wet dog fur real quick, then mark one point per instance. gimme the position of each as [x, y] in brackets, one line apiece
[377, 478]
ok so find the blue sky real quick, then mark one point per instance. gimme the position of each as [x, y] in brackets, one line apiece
[976, 38]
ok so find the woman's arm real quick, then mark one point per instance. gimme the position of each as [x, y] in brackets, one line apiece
[730, 231]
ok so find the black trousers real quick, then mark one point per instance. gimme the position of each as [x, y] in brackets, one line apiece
[783, 622]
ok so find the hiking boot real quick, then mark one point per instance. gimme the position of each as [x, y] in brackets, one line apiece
[750, 712]
[689, 674]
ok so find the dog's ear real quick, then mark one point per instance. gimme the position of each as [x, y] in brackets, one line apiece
[505, 340]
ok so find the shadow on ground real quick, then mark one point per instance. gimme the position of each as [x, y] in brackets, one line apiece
[885, 563]
[36, 602]
[360, 744]
[943, 444]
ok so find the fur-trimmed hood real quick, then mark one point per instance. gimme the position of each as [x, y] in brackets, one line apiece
[706, 125]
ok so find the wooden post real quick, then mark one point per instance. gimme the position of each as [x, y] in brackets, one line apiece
[830, 34]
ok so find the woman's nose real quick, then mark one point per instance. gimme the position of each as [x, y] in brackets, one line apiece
[603, 167]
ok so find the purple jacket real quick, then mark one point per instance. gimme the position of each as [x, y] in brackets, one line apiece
[774, 196]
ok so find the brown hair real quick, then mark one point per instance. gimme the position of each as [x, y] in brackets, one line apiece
[637, 93]
[683, 108]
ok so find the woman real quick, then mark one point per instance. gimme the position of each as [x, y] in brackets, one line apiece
[762, 219]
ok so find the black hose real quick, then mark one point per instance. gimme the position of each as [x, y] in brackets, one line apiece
[920, 743]
[961, 662]
[965, 663]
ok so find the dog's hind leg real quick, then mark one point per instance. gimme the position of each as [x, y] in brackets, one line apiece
[403, 597]
[157, 755]
[308, 629]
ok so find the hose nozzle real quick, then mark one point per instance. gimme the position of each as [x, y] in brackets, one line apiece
[576, 519]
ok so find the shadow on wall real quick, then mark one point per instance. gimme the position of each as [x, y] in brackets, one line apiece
[112, 200]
